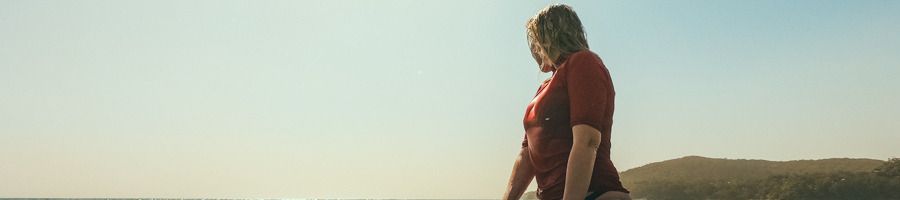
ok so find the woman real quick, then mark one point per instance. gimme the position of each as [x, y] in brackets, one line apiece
[568, 123]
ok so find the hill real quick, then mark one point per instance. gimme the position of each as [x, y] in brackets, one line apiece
[695, 177]
[696, 168]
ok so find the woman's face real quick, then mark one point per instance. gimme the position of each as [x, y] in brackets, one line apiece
[536, 54]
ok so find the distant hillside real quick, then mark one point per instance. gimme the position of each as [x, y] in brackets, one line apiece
[695, 177]
[696, 168]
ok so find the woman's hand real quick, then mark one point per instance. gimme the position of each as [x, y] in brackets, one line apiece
[585, 142]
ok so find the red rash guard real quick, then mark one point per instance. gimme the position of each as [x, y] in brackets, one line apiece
[580, 92]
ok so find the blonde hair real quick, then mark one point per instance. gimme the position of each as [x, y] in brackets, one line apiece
[555, 32]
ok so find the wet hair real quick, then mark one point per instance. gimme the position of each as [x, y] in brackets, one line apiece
[555, 32]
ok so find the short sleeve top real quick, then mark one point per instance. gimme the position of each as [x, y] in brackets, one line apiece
[580, 92]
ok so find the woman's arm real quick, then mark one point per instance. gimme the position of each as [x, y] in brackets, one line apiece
[522, 174]
[585, 142]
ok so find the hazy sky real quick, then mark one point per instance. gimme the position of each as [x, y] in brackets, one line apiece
[415, 99]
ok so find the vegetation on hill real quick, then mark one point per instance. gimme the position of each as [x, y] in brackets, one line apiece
[701, 169]
[695, 177]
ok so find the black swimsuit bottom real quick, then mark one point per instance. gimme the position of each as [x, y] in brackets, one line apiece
[592, 195]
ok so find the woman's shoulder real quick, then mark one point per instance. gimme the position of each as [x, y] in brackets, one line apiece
[581, 59]
[585, 54]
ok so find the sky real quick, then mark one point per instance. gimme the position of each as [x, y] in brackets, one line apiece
[415, 99]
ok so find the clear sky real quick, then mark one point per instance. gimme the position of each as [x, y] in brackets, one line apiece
[415, 99]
